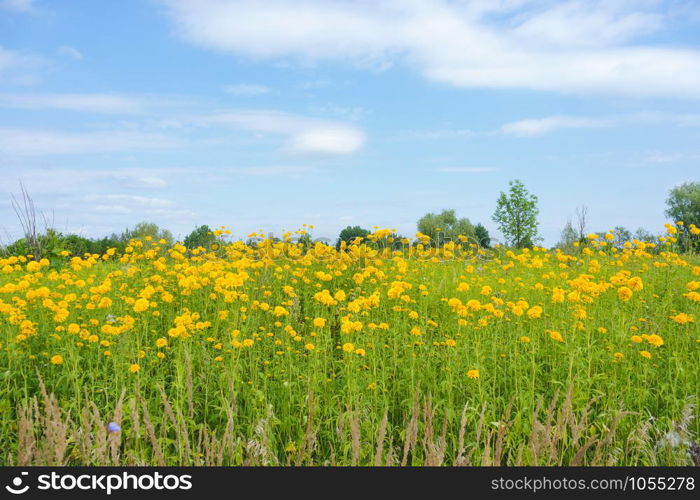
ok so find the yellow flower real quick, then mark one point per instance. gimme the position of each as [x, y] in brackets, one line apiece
[655, 340]
[161, 342]
[683, 318]
[451, 342]
[348, 347]
[141, 305]
[624, 293]
[309, 347]
[134, 368]
[473, 374]
[56, 359]
[534, 312]
[360, 352]
[524, 339]
[636, 339]
[556, 336]
[645, 354]
[280, 311]
[319, 322]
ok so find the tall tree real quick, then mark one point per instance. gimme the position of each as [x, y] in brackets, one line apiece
[516, 215]
[482, 236]
[569, 235]
[350, 233]
[445, 226]
[622, 236]
[684, 205]
[643, 235]
[202, 236]
[581, 222]
[144, 229]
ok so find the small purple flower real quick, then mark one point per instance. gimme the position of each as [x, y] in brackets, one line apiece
[113, 427]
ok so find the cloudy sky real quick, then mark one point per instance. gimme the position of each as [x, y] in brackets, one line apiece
[273, 113]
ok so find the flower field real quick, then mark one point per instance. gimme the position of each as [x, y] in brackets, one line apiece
[374, 353]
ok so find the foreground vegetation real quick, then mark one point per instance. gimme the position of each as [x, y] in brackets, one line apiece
[286, 353]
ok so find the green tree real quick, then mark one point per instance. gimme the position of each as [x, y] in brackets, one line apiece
[684, 205]
[482, 236]
[516, 215]
[77, 245]
[202, 236]
[569, 235]
[622, 236]
[642, 234]
[445, 226]
[350, 233]
[144, 229]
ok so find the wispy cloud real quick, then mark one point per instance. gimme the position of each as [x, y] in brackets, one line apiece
[570, 47]
[132, 200]
[91, 103]
[18, 67]
[52, 181]
[144, 206]
[24, 142]
[540, 126]
[17, 5]
[248, 90]
[304, 134]
[69, 52]
[156, 128]
[117, 104]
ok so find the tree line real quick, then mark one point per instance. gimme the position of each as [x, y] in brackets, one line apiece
[516, 216]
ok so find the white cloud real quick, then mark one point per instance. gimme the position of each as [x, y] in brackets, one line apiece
[244, 89]
[91, 103]
[17, 5]
[334, 141]
[142, 181]
[609, 25]
[539, 126]
[301, 134]
[131, 201]
[18, 66]
[61, 181]
[571, 47]
[23, 142]
[122, 204]
[304, 134]
[69, 52]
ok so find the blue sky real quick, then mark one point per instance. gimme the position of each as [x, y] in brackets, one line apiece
[271, 114]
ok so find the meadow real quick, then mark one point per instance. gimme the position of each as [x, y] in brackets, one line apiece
[370, 354]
